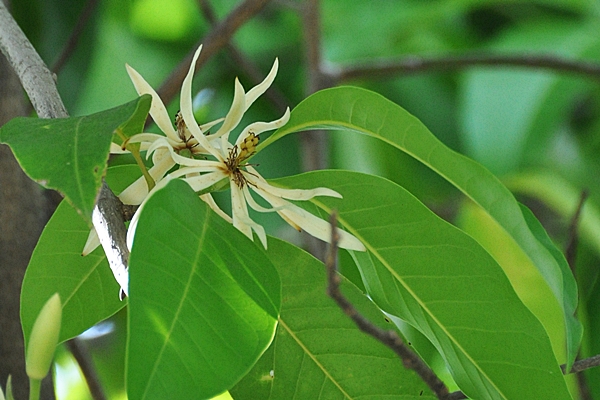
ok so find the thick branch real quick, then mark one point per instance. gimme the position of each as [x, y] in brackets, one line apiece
[390, 338]
[39, 84]
[35, 77]
[218, 38]
[414, 64]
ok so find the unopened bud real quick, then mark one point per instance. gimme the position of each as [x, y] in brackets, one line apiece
[44, 338]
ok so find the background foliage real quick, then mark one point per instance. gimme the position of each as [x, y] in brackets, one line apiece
[537, 130]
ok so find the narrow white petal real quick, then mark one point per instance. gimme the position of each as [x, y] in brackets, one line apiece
[205, 127]
[254, 205]
[132, 227]
[262, 87]
[138, 190]
[201, 182]
[236, 112]
[208, 199]
[187, 112]
[91, 244]
[241, 219]
[158, 110]
[239, 211]
[116, 149]
[312, 224]
[259, 127]
[292, 194]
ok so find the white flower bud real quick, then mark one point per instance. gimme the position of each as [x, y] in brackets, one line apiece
[44, 338]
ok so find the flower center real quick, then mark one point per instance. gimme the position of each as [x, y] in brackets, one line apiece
[237, 156]
[187, 140]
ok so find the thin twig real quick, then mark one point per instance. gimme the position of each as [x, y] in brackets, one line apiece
[274, 95]
[388, 337]
[212, 43]
[71, 44]
[414, 64]
[573, 237]
[582, 365]
[82, 356]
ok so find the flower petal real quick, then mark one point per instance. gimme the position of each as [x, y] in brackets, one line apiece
[312, 224]
[262, 87]
[158, 110]
[138, 190]
[259, 127]
[235, 113]
[201, 182]
[93, 241]
[208, 199]
[241, 219]
[292, 194]
[254, 205]
[187, 112]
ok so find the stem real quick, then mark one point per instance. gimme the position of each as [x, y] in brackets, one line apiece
[34, 389]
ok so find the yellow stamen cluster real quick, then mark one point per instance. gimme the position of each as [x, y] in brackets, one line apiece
[234, 161]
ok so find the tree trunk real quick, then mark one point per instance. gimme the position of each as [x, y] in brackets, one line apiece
[24, 210]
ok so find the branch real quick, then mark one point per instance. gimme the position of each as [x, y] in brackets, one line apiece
[82, 356]
[218, 38]
[38, 82]
[415, 64]
[71, 44]
[244, 63]
[35, 77]
[390, 338]
[582, 365]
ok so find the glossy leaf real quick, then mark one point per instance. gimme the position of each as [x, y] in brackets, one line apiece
[70, 154]
[365, 112]
[440, 280]
[204, 300]
[318, 352]
[87, 288]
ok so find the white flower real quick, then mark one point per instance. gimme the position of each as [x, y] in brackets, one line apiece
[225, 161]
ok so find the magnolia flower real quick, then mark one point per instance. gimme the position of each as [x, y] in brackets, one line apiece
[222, 161]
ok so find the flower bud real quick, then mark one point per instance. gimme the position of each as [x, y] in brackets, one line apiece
[44, 338]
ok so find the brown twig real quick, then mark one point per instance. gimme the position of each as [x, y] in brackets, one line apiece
[275, 96]
[415, 64]
[573, 237]
[582, 365]
[71, 44]
[218, 38]
[388, 337]
[82, 356]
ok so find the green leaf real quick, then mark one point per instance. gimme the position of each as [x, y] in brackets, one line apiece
[70, 154]
[440, 280]
[204, 300]
[318, 352]
[541, 234]
[87, 288]
[365, 112]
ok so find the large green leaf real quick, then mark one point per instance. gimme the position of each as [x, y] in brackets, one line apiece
[87, 288]
[70, 154]
[318, 352]
[204, 300]
[441, 281]
[365, 112]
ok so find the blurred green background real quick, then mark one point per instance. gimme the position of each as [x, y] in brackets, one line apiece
[538, 130]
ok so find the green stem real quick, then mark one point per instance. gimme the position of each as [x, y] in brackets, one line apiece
[34, 389]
